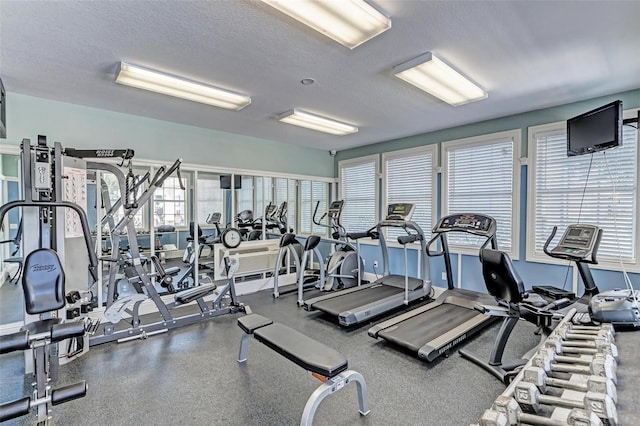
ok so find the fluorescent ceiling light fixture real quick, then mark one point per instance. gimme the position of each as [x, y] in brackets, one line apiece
[349, 22]
[147, 79]
[302, 118]
[430, 74]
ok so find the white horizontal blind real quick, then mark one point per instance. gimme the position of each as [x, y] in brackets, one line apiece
[609, 196]
[285, 191]
[408, 178]
[319, 195]
[480, 180]
[244, 196]
[358, 184]
[310, 193]
[210, 197]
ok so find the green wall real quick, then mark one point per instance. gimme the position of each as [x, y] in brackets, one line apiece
[630, 99]
[78, 126]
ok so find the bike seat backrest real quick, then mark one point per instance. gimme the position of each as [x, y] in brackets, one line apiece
[287, 239]
[312, 242]
[500, 276]
[43, 282]
[166, 228]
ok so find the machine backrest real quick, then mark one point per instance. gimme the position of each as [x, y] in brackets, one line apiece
[500, 276]
[43, 282]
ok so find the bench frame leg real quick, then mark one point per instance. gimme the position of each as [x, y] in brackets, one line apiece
[332, 385]
[244, 346]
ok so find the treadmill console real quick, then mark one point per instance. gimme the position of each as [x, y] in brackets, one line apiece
[577, 243]
[400, 212]
[472, 223]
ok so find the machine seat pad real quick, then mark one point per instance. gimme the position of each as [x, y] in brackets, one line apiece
[14, 342]
[303, 350]
[37, 328]
[312, 242]
[287, 239]
[252, 322]
[192, 294]
[172, 270]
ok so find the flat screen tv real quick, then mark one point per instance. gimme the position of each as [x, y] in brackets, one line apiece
[3, 112]
[225, 182]
[595, 130]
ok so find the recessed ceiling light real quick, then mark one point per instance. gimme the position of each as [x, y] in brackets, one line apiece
[155, 81]
[311, 121]
[432, 75]
[349, 22]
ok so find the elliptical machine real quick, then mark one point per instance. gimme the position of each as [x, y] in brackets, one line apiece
[343, 269]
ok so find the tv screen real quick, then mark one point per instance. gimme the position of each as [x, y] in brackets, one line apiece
[3, 112]
[595, 130]
[225, 182]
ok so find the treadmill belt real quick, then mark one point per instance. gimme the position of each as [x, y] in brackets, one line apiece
[350, 301]
[415, 332]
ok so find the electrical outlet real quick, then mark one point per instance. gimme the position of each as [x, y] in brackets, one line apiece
[444, 276]
[375, 263]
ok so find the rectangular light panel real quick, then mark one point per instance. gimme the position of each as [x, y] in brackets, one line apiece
[302, 118]
[147, 79]
[430, 74]
[349, 22]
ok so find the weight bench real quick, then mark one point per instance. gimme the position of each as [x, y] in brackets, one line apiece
[324, 363]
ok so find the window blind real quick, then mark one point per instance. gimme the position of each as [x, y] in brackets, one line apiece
[480, 180]
[358, 184]
[210, 198]
[609, 195]
[409, 179]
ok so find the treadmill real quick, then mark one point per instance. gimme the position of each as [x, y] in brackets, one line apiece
[361, 303]
[432, 330]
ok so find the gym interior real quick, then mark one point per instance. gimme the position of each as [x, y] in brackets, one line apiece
[226, 212]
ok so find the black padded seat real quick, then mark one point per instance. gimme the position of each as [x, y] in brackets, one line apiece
[312, 242]
[252, 322]
[304, 351]
[500, 276]
[287, 239]
[192, 294]
[43, 282]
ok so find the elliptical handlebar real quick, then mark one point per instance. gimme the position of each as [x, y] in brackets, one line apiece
[545, 248]
[318, 222]
[406, 239]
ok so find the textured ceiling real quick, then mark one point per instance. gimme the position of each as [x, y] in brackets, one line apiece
[526, 54]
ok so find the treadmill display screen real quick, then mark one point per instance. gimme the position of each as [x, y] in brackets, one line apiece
[400, 211]
[475, 223]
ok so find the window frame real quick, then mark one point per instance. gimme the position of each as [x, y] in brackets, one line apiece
[531, 255]
[375, 158]
[475, 141]
[410, 152]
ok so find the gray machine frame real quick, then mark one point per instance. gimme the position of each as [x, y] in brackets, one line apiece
[411, 289]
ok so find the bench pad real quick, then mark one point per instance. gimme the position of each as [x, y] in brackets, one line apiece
[250, 323]
[304, 351]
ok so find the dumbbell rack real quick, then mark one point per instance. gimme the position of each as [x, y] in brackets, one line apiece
[571, 380]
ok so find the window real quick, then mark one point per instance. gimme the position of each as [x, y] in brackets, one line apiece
[480, 176]
[409, 177]
[169, 203]
[111, 185]
[244, 196]
[358, 189]
[264, 195]
[210, 197]
[559, 193]
[312, 192]
[286, 191]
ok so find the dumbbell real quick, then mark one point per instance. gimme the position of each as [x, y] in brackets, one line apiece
[538, 377]
[506, 411]
[566, 332]
[606, 327]
[582, 359]
[581, 347]
[531, 400]
[601, 365]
